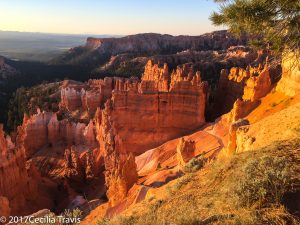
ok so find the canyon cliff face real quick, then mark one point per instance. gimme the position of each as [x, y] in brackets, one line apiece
[120, 167]
[240, 90]
[243, 89]
[144, 114]
[19, 184]
[99, 51]
[158, 43]
[172, 105]
[138, 107]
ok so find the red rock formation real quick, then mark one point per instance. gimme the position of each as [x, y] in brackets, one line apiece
[163, 44]
[93, 43]
[185, 152]
[91, 100]
[71, 98]
[120, 168]
[141, 115]
[139, 109]
[90, 168]
[44, 128]
[258, 85]
[241, 109]
[89, 135]
[155, 78]
[255, 83]
[36, 132]
[87, 98]
[231, 87]
[53, 130]
[245, 88]
[19, 185]
[181, 96]
[4, 207]
[80, 165]
[290, 81]
[73, 166]
[232, 145]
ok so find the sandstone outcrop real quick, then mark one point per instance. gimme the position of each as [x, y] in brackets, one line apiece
[258, 85]
[73, 167]
[36, 132]
[93, 43]
[139, 108]
[250, 86]
[80, 165]
[232, 145]
[120, 167]
[44, 128]
[53, 130]
[246, 88]
[4, 206]
[18, 184]
[290, 81]
[71, 98]
[87, 99]
[185, 152]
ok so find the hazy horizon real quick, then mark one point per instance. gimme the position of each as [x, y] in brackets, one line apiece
[104, 34]
[93, 17]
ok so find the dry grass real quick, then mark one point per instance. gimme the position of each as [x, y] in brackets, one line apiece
[209, 196]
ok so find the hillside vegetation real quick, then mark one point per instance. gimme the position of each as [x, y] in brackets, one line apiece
[248, 188]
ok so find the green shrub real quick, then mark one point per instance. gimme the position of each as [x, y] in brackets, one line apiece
[194, 164]
[264, 181]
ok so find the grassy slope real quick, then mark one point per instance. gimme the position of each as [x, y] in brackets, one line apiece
[208, 196]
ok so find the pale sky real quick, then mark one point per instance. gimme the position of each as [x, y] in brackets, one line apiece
[108, 16]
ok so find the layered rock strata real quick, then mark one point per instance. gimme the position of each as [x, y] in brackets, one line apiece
[90, 98]
[44, 128]
[144, 114]
[157, 109]
[120, 167]
[19, 183]
[252, 84]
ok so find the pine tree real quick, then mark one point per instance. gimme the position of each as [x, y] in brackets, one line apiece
[275, 24]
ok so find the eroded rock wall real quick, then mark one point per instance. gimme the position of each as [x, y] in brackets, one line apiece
[44, 129]
[120, 167]
[19, 185]
[290, 81]
[157, 109]
[88, 98]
